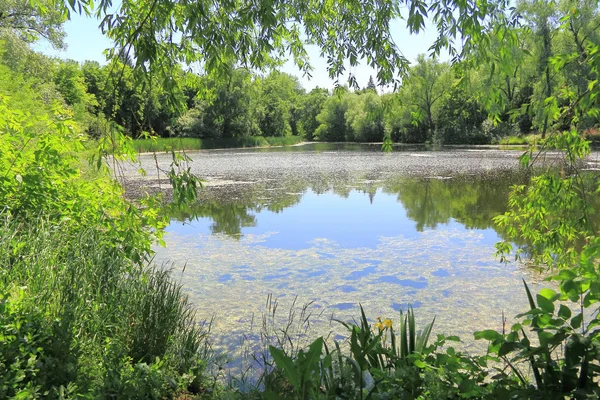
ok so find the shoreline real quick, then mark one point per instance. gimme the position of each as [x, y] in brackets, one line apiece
[395, 145]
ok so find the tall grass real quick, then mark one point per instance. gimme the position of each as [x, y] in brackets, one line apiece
[105, 326]
[162, 144]
[520, 140]
[374, 360]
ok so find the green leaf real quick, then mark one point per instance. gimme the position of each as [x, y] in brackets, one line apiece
[549, 294]
[487, 334]
[529, 296]
[507, 347]
[545, 304]
[576, 321]
[564, 312]
[286, 364]
[312, 358]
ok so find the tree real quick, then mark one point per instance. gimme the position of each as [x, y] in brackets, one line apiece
[279, 104]
[311, 105]
[32, 20]
[16, 54]
[371, 85]
[364, 118]
[428, 81]
[332, 120]
[161, 35]
[460, 118]
[541, 16]
[70, 82]
[231, 106]
[553, 211]
[504, 87]
[580, 31]
[95, 79]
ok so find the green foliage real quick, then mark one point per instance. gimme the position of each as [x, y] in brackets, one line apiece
[303, 372]
[82, 313]
[555, 214]
[229, 109]
[311, 106]
[177, 144]
[563, 358]
[280, 92]
[520, 140]
[364, 118]
[41, 19]
[70, 83]
[332, 120]
[191, 124]
[378, 362]
[428, 82]
[97, 321]
[22, 330]
[460, 120]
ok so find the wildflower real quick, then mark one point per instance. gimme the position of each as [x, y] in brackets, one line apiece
[379, 325]
[388, 323]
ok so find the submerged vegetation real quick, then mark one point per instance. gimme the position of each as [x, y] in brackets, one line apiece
[85, 314]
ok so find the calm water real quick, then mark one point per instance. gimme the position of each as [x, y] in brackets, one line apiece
[339, 238]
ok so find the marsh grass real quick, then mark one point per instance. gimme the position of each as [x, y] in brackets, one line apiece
[106, 325]
[289, 363]
[520, 140]
[163, 144]
[285, 327]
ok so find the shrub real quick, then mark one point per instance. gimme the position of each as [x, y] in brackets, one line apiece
[82, 312]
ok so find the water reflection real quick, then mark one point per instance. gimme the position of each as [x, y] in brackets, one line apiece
[383, 241]
[366, 234]
[353, 211]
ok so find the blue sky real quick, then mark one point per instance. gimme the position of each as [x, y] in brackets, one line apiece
[86, 42]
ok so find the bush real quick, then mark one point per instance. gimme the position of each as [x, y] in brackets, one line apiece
[82, 312]
[191, 124]
[101, 320]
[24, 333]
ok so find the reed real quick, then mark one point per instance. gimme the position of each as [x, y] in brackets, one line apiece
[177, 144]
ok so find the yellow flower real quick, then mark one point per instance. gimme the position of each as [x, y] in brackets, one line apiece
[387, 322]
[379, 326]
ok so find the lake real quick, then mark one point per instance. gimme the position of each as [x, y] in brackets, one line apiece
[339, 226]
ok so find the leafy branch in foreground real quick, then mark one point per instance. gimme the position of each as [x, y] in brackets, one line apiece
[555, 214]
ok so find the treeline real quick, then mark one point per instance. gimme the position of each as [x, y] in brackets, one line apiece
[434, 103]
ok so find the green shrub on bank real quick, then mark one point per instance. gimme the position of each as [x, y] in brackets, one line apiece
[552, 353]
[163, 144]
[95, 321]
[83, 313]
[520, 140]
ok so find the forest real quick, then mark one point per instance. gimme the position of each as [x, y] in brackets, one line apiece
[85, 313]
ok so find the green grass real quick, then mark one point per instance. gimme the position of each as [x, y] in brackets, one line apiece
[78, 317]
[520, 140]
[162, 144]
